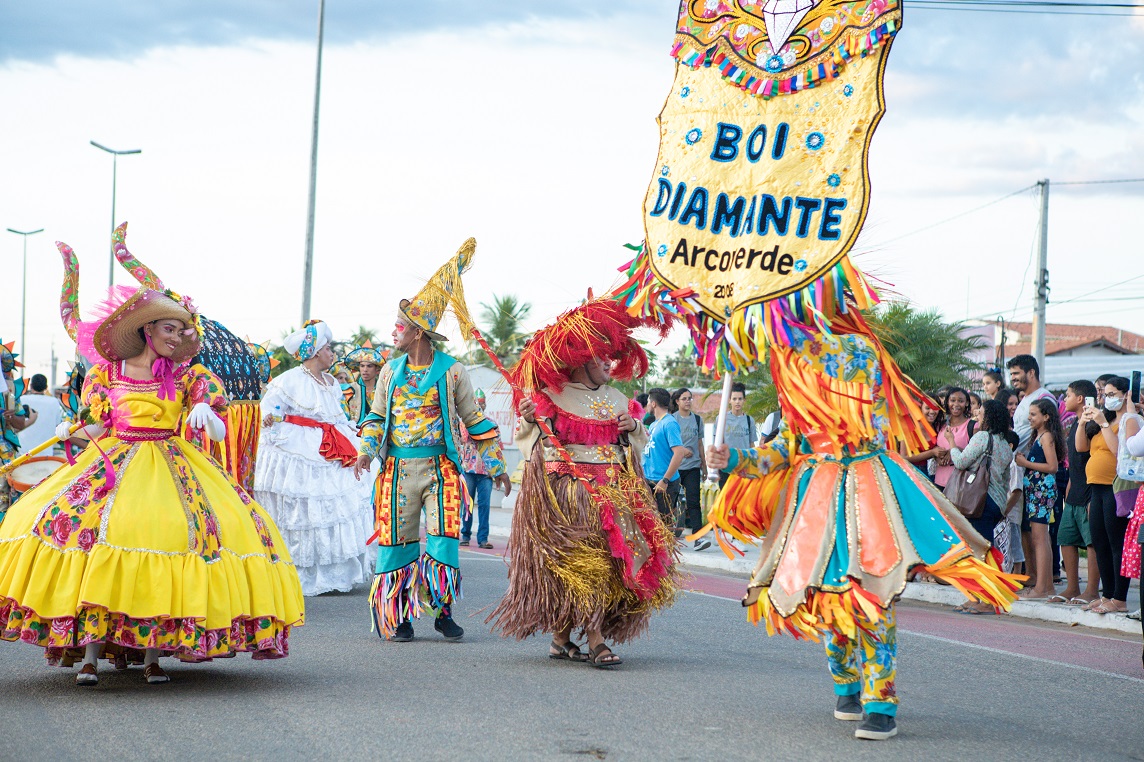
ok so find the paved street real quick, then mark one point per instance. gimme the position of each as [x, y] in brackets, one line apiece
[703, 685]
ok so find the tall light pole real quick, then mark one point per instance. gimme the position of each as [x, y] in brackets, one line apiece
[24, 289]
[114, 175]
[308, 268]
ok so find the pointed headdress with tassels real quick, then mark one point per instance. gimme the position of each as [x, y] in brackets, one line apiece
[444, 290]
[113, 333]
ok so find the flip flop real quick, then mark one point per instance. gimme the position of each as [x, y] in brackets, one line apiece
[1058, 599]
[977, 612]
[1078, 601]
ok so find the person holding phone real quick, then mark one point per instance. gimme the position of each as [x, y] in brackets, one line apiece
[1101, 438]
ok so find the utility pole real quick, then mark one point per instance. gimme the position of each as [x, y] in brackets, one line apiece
[308, 268]
[1041, 284]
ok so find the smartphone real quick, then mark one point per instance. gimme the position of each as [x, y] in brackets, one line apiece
[1135, 388]
[1090, 401]
[27, 411]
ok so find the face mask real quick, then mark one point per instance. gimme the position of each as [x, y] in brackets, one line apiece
[1113, 404]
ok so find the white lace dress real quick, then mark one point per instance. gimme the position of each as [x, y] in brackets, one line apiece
[323, 512]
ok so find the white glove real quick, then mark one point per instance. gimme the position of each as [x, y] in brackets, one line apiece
[63, 431]
[203, 417]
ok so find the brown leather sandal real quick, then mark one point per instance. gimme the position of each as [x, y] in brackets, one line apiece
[598, 657]
[567, 652]
[154, 675]
[87, 676]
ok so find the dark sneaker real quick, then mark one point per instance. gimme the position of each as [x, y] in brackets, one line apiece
[877, 727]
[848, 708]
[404, 632]
[702, 544]
[485, 545]
[447, 627]
[464, 543]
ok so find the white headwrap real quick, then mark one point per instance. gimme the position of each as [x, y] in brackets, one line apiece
[305, 343]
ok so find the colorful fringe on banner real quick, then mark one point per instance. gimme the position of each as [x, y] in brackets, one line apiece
[831, 304]
[734, 38]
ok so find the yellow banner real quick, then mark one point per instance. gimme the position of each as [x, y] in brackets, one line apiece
[762, 182]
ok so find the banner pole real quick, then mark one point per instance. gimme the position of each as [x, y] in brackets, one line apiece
[721, 421]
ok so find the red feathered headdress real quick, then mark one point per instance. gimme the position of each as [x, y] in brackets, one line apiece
[597, 329]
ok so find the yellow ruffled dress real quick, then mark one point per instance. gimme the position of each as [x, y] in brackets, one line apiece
[170, 553]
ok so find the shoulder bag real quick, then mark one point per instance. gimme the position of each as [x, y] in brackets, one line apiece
[968, 489]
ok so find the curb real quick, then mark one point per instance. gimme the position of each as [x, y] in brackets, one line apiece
[926, 592]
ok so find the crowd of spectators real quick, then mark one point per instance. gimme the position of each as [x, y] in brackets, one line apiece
[1064, 480]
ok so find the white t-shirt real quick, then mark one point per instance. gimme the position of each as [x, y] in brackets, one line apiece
[1021, 425]
[50, 413]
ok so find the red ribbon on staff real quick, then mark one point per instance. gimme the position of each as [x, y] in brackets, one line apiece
[335, 445]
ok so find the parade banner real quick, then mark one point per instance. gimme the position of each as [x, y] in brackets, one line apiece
[761, 185]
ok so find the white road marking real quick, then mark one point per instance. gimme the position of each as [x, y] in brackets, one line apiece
[1000, 651]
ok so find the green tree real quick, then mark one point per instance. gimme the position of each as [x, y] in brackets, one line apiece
[929, 350]
[502, 325]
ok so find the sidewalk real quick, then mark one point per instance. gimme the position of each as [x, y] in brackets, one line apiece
[713, 559]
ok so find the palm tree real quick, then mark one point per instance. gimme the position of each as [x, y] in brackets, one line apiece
[503, 329]
[929, 350]
[362, 335]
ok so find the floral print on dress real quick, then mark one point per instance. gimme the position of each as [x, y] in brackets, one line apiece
[1040, 489]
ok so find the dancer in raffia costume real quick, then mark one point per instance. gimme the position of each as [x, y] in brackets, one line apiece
[367, 360]
[304, 475]
[588, 550]
[422, 400]
[145, 542]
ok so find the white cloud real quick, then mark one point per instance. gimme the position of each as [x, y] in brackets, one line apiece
[536, 137]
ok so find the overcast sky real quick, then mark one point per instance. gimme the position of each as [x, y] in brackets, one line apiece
[532, 129]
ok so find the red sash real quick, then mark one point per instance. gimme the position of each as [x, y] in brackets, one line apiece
[335, 446]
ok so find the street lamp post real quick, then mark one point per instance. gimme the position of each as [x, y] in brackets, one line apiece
[114, 173]
[24, 289]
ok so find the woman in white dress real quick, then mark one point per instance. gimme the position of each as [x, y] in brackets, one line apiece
[304, 474]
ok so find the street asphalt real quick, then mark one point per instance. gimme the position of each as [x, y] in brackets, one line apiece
[702, 685]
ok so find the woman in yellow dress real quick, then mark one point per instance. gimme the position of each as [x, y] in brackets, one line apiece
[145, 543]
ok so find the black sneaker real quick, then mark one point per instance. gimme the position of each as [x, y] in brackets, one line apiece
[877, 727]
[702, 544]
[464, 543]
[447, 627]
[848, 708]
[404, 632]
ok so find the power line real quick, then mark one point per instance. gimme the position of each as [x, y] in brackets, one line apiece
[1097, 182]
[1098, 290]
[935, 7]
[1041, 8]
[1029, 3]
[955, 217]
